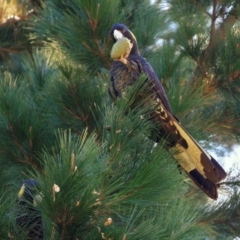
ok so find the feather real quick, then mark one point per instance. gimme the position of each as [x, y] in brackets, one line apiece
[203, 169]
[28, 217]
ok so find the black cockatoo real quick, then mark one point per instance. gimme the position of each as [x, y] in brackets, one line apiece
[202, 168]
[28, 217]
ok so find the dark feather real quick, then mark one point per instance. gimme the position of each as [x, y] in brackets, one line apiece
[28, 217]
[205, 172]
[123, 76]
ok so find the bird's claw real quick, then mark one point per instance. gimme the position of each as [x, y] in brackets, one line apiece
[123, 59]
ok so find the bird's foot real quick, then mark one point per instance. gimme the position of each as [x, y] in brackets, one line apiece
[123, 59]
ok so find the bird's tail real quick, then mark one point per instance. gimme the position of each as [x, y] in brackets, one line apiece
[201, 167]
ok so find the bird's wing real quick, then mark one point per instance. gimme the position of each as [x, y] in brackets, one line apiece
[197, 163]
[156, 84]
[190, 156]
[128, 74]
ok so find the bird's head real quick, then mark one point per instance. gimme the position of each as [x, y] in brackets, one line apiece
[119, 30]
[28, 190]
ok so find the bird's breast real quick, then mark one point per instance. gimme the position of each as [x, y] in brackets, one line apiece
[123, 76]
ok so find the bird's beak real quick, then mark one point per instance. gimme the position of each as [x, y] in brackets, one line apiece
[21, 192]
[117, 34]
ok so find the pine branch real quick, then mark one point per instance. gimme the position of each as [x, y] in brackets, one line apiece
[198, 5]
[12, 33]
[139, 184]
[219, 34]
[28, 158]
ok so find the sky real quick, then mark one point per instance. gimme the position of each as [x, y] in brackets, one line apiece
[231, 159]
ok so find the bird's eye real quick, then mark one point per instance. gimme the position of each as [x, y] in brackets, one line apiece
[117, 34]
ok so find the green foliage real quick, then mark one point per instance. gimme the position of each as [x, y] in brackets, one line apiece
[21, 124]
[102, 159]
[86, 42]
[14, 22]
[74, 166]
[73, 98]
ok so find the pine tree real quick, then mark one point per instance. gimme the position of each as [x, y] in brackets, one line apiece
[99, 175]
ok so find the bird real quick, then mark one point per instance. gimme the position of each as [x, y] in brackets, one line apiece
[127, 67]
[28, 218]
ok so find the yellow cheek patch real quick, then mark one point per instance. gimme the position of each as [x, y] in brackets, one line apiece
[21, 192]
